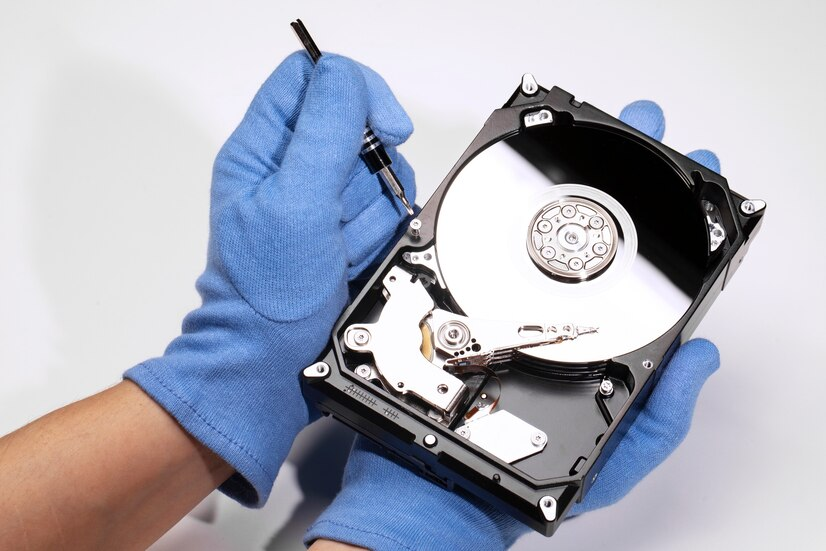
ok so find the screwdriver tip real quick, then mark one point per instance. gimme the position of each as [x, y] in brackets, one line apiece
[406, 204]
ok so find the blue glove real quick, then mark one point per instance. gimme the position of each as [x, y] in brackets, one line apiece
[295, 215]
[384, 506]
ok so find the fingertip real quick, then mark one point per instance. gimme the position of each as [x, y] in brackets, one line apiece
[706, 158]
[341, 68]
[702, 352]
[702, 344]
[247, 158]
[646, 116]
[298, 58]
[690, 367]
[387, 117]
[288, 79]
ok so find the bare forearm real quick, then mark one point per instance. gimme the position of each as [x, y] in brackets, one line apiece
[111, 471]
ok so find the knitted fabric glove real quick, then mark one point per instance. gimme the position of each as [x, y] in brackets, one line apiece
[384, 506]
[294, 215]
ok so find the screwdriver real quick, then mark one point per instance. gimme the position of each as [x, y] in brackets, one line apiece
[372, 150]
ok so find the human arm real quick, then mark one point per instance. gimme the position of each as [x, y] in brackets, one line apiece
[111, 471]
[295, 216]
[383, 505]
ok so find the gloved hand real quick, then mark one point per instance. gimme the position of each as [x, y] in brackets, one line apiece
[384, 506]
[294, 215]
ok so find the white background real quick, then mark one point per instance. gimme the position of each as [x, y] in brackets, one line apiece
[111, 114]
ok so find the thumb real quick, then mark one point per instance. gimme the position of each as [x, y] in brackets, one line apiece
[660, 426]
[328, 133]
[666, 417]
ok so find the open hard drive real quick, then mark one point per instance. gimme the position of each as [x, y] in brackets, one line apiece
[510, 337]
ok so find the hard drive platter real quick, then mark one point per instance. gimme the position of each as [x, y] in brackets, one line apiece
[511, 335]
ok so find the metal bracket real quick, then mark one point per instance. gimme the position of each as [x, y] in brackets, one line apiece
[529, 85]
[504, 435]
[464, 342]
[395, 340]
[318, 370]
[716, 231]
[547, 505]
[427, 259]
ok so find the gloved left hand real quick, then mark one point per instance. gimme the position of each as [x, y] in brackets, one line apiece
[385, 506]
[295, 214]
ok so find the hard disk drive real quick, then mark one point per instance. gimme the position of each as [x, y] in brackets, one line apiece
[512, 334]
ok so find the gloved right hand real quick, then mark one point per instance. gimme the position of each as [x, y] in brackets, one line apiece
[295, 215]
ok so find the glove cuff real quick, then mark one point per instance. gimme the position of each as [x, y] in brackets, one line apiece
[234, 386]
[385, 506]
[255, 467]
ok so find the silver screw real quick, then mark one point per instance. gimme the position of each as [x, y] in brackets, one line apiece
[606, 387]
[415, 227]
[363, 371]
[538, 438]
[647, 364]
[747, 207]
[453, 334]
[464, 432]
[361, 337]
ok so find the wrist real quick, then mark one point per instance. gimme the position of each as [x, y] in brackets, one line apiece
[231, 381]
